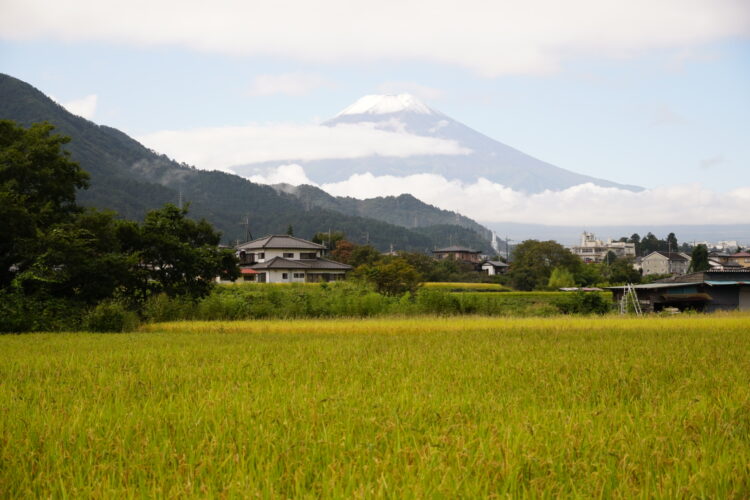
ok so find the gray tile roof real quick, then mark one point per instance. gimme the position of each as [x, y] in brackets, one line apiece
[497, 263]
[306, 264]
[674, 256]
[280, 241]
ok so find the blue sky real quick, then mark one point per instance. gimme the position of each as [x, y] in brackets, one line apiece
[627, 91]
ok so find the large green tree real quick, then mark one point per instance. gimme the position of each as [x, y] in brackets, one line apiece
[38, 184]
[84, 259]
[181, 255]
[699, 258]
[533, 262]
[50, 247]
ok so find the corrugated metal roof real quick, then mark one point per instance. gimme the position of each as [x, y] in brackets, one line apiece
[724, 283]
[656, 286]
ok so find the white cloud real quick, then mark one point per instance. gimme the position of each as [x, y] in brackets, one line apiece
[293, 84]
[585, 204]
[492, 37]
[84, 107]
[283, 174]
[413, 88]
[224, 147]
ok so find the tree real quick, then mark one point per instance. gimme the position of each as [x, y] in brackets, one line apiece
[560, 278]
[699, 258]
[290, 230]
[610, 258]
[181, 255]
[635, 238]
[343, 251]
[83, 259]
[328, 239]
[533, 262]
[622, 271]
[38, 184]
[650, 243]
[364, 254]
[672, 244]
[393, 276]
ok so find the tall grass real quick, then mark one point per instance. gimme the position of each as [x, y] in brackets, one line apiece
[412, 408]
[347, 299]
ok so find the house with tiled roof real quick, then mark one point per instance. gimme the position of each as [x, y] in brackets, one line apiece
[659, 262]
[457, 252]
[741, 259]
[287, 259]
[493, 267]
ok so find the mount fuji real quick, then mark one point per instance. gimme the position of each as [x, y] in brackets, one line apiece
[479, 156]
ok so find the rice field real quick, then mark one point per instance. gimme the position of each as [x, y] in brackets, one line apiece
[466, 287]
[401, 408]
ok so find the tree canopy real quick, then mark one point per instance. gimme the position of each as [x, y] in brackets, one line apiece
[38, 184]
[51, 247]
[699, 258]
[533, 262]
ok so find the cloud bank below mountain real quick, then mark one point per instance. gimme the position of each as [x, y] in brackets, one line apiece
[222, 147]
[582, 205]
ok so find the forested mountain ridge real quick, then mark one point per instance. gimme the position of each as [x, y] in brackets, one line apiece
[131, 179]
[404, 210]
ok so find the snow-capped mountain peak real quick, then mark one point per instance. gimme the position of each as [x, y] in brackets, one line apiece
[385, 104]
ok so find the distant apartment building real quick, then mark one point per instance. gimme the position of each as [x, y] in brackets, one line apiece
[593, 250]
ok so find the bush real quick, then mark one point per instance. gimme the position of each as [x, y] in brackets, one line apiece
[161, 307]
[583, 303]
[435, 301]
[20, 313]
[110, 316]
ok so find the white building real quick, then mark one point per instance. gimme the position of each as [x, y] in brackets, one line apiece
[493, 267]
[286, 259]
[593, 250]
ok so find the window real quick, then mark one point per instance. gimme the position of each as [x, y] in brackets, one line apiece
[285, 276]
[299, 275]
[288, 255]
[261, 256]
[308, 255]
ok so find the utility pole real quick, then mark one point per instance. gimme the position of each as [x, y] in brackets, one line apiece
[246, 224]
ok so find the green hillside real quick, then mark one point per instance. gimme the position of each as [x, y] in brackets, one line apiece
[132, 179]
[404, 210]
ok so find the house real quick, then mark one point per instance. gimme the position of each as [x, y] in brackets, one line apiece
[708, 291]
[740, 259]
[493, 267]
[287, 259]
[458, 253]
[720, 261]
[593, 250]
[659, 262]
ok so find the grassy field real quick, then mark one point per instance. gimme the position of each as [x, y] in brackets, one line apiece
[418, 407]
